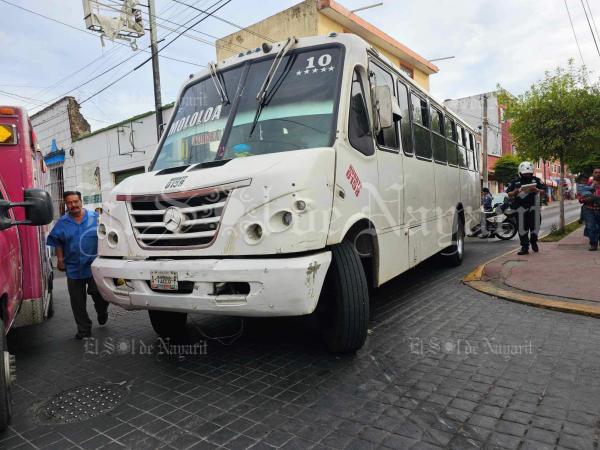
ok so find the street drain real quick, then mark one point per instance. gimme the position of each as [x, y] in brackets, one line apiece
[83, 403]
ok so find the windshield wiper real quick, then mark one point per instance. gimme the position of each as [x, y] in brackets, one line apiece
[264, 89]
[212, 68]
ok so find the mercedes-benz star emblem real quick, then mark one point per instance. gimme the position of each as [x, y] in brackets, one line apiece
[173, 219]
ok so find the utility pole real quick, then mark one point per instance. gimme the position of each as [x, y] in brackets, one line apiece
[155, 68]
[485, 142]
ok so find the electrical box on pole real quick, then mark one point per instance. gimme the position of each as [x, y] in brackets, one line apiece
[125, 22]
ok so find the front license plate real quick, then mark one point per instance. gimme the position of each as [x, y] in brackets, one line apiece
[165, 281]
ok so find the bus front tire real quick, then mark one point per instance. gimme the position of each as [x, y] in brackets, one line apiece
[343, 309]
[452, 256]
[168, 324]
[5, 380]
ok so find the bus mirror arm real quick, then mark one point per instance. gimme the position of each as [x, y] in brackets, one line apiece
[38, 209]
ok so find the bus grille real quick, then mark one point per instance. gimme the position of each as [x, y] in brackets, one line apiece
[183, 222]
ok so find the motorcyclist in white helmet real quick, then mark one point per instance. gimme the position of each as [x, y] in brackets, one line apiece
[523, 191]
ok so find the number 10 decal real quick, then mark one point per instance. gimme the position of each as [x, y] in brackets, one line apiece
[324, 60]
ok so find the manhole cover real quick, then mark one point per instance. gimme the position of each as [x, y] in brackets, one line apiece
[83, 402]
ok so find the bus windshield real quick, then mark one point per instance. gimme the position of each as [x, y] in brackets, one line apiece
[298, 111]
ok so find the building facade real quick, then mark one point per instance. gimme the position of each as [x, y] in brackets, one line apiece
[56, 127]
[104, 158]
[499, 139]
[321, 17]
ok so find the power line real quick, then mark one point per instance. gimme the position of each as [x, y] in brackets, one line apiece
[574, 34]
[21, 97]
[161, 25]
[229, 22]
[72, 74]
[591, 30]
[89, 32]
[189, 28]
[593, 20]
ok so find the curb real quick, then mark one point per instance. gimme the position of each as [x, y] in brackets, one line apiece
[475, 280]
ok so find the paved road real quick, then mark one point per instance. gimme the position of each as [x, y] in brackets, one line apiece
[444, 367]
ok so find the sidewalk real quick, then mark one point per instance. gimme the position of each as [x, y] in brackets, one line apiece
[564, 275]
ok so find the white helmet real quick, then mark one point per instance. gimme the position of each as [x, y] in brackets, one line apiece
[525, 167]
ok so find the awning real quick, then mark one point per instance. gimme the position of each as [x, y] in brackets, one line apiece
[54, 158]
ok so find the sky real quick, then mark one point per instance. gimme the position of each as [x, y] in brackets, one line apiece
[511, 43]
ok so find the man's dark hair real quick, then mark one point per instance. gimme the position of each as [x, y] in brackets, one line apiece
[486, 190]
[67, 193]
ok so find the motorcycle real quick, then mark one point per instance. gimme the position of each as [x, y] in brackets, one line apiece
[500, 222]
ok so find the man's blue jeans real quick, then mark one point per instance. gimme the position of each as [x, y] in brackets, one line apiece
[591, 218]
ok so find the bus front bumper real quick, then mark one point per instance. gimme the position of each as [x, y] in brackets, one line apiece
[237, 287]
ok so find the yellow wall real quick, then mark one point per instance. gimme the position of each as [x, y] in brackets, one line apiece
[300, 20]
[422, 79]
[327, 25]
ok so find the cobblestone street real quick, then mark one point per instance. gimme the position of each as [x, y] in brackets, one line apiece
[445, 366]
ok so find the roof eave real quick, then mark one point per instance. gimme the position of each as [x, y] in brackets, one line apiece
[373, 34]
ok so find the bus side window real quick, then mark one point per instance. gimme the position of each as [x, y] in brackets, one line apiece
[359, 129]
[387, 137]
[450, 129]
[437, 136]
[420, 115]
[405, 131]
[472, 162]
[462, 156]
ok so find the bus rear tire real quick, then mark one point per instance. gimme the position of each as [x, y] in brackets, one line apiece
[343, 309]
[6, 373]
[168, 324]
[453, 255]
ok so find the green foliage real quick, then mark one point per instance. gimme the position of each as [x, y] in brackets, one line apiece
[557, 118]
[556, 235]
[506, 168]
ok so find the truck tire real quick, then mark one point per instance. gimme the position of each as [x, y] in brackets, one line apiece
[6, 370]
[343, 309]
[168, 324]
[452, 256]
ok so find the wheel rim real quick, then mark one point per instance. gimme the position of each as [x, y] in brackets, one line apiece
[505, 229]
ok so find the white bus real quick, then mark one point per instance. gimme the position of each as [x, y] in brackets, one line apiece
[290, 181]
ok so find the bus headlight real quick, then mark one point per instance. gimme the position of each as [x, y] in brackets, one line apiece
[101, 231]
[254, 233]
[286, 218]
[113, 239]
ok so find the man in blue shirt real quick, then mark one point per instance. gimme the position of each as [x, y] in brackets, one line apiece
[76, 242]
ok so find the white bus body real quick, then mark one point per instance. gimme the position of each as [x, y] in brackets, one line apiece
[327, 190]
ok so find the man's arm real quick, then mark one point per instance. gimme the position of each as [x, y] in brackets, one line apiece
[55, 239]
[60, 259]
[512, 190]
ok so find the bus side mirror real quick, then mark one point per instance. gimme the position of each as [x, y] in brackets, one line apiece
[38, 209]
[383, 107]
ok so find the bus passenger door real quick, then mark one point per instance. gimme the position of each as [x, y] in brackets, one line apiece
[389, 201]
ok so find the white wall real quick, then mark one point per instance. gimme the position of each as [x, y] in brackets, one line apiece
[470, 109]
[113, 150]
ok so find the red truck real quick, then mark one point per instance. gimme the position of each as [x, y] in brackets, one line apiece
[25, 269]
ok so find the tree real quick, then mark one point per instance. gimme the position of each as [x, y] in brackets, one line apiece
[557, 119]
[506, 168]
